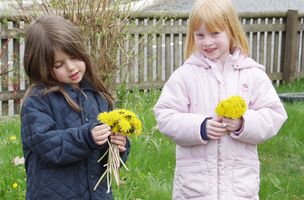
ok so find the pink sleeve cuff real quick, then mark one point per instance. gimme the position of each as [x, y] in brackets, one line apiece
[238, 132]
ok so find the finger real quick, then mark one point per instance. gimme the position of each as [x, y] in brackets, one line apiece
[118, 137]
[232, 128]
[103, 136]
[218, 124]
[105, 127]
[215, 133]
[218, 130]
[107, 134]
[230, 121]
[119, 141]
[218, 119]
[102, 127]
[122, 148]
[224, 125]
[101, 140]
[115, 141]
[213, 137]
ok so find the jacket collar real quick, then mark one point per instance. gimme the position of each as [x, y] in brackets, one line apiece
[83, 85]
[237, 60]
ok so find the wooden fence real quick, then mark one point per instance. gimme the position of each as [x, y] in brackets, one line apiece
[275, 40]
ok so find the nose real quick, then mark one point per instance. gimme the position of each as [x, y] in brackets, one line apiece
[207, 41]
[70, 65]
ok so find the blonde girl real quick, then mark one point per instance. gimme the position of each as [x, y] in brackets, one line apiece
[216, 157]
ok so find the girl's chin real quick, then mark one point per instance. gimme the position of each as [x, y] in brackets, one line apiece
[211, 57]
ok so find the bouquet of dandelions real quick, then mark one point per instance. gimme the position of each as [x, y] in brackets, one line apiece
[124, 122]
[233, 107]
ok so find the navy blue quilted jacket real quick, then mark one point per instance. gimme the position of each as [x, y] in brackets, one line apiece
[60, 153]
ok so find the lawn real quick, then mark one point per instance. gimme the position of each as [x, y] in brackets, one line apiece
[152, 159]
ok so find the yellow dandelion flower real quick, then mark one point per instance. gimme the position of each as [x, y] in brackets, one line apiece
[115, 129]
[124, 125]
[107, 118]
[233, 107]
[129, 113]
[137, 126]
[12, 138]
[114, 116]
[103, 117]
[121, 120]
[124, 122]
[15, 185]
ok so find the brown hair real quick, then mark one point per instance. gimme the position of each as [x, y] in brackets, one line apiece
[217, 15]
[47, 34]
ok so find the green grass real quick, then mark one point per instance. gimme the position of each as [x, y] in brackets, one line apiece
[152, 159]
[282, 159]
[296, 86]
[10, 149]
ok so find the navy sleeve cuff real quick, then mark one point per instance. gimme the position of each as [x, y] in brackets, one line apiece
[124, 155]
[203, 130]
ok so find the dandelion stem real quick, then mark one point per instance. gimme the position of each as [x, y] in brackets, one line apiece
[103, 156]
[99, 180]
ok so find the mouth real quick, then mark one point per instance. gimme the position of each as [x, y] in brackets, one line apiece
[210, 50]
[75, 76]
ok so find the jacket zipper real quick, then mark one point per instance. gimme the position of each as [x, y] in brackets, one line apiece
[218, 168]
[219, 154]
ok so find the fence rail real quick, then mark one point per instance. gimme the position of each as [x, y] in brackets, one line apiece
[275, 40]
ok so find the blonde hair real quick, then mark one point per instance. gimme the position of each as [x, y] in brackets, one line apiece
[217, 15]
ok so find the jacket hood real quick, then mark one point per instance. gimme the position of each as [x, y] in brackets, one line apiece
[237, 60]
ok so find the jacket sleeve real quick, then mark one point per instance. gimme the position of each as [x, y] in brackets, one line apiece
[173, 114]
[124, 155]
[55, 146]
[266, 113]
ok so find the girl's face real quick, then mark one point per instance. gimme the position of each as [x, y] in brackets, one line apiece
[213, 45]
[68, 69]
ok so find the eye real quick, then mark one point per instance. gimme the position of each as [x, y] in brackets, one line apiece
[199, 35]
[58, 65]
[215, 33]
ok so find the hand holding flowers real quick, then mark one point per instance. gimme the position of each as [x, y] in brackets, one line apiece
[232, 125]
[229, 119]
[119, 140]
[215, 129]
[121, 123]
[101, 133]
[230, 111]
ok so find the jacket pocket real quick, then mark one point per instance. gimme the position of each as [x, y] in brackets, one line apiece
[193, 178]
[245, 178]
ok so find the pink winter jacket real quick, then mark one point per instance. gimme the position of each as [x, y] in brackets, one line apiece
[225, 169]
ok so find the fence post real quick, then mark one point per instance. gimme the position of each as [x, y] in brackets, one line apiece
[289, 65]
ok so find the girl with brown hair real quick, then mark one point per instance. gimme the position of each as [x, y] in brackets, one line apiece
[62, 139]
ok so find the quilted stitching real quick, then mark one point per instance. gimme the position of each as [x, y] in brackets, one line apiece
[60, 161]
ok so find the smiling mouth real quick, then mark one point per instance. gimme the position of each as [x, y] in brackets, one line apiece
[74, 76]
[210, 50]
